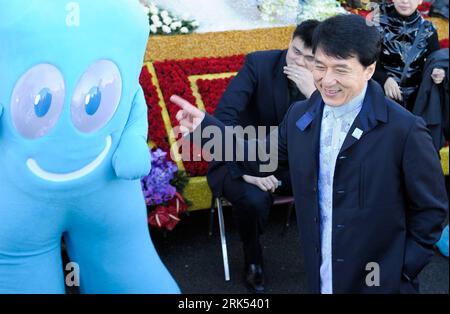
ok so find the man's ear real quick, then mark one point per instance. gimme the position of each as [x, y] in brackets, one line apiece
[370, 70]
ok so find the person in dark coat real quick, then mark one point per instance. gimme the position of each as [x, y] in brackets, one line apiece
[368, 185]
[260, 95]
[432, 103]
[408, 39]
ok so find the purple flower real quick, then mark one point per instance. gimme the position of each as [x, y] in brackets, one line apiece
[156, 185]
[159, 154]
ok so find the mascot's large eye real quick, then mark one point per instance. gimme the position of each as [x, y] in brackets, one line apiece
[37, 101]
[96, 96]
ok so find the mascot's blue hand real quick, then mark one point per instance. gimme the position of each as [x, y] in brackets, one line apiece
[132, 159]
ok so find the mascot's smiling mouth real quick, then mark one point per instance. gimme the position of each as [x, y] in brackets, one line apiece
[63, 177]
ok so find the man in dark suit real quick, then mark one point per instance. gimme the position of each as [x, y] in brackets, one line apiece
[368, 185]
[261, 93]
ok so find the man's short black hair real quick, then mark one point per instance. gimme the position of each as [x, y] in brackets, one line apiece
[348, 35]
[305, 31]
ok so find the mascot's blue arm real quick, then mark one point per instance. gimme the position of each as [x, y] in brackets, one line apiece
[132, 158]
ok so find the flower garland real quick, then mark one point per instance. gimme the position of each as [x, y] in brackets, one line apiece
[162, 22]
[162, 189]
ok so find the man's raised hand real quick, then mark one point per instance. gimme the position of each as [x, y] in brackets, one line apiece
[189, 116]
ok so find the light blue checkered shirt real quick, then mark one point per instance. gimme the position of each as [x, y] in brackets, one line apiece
[336, 122]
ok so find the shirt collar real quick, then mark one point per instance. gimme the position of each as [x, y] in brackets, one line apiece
[354, 104]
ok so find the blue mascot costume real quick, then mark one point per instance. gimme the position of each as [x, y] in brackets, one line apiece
[73, 126]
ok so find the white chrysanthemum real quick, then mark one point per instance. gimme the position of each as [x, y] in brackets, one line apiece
[164, 14]
[154, 18]
[166, 29]
[184, 30]
[154, 9]
[167, 20]
[153, 29]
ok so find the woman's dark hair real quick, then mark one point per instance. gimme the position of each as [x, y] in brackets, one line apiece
[348, 35]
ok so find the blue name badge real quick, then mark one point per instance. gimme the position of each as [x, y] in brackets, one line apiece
[304, 121]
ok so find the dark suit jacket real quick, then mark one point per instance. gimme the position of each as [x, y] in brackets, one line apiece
[389, 197]
[257, 96]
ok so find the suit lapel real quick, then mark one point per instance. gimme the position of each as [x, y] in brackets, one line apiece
[280, 88]
[315, 136]
[310, 124]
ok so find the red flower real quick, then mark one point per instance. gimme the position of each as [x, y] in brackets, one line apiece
[364, 13]
[159, 217]
[424, 8]
[174, 220]
[163, 217]
[178, 204]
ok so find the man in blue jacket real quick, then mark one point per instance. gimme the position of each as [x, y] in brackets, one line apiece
[368, 185]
